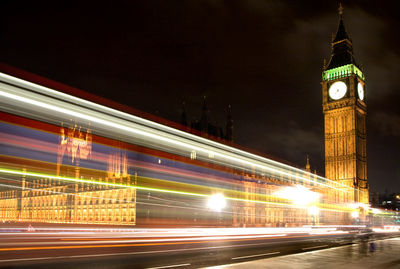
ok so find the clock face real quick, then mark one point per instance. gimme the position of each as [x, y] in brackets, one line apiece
[360, 90]
[337, 90]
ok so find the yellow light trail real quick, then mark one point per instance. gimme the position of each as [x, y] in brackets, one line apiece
[287, 204]
[132, 245]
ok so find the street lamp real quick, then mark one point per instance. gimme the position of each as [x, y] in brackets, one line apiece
[313, 211]
[216, 202]
[301, 197]
[355, 214]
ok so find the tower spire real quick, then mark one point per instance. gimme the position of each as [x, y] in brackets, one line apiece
[341, 33]
[340, 9]
[229, 125]
[342, 47]
[308, 167]
[184, 116]
[204, 117]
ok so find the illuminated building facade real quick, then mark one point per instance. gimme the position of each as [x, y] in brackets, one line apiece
[52, 200]
[345, 110]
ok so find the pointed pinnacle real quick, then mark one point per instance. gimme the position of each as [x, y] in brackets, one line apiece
[340, 9]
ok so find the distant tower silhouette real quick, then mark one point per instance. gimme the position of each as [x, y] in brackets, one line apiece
[184, 115]
[308, 167]
[205, 126]
[229, 125]
[204, 120]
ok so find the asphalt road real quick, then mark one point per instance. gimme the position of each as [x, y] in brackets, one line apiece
[376, 254]
[169, 248]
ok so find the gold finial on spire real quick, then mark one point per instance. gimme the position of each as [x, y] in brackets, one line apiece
[340, 9]
[308, 167]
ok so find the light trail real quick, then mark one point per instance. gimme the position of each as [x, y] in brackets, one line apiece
[147, 231]
[82, 241]
[288, 204]
[170, 136]
[170, 266]
[136, 252]
[13, 172]
[256, 255]
[57, 245]
[315, 247]
[124, 245]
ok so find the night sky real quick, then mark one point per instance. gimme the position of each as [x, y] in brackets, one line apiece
[262, 57]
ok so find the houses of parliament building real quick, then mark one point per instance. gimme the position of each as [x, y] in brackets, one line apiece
[84, 179]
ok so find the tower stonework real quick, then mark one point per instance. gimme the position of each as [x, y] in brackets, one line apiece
[345, 111]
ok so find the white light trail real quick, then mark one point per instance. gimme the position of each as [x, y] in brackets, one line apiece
[50, 100]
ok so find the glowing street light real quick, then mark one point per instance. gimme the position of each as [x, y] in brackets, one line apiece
[300, 195]
[313, 210]
[355, 214]
[217, 202]
[376, 211]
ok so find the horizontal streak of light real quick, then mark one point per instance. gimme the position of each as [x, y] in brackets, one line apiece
[129, 245]
[226, 152]
[183, 184]
[321, 206]
[326, 233]
[256, 255]
[52, 192]
[14, 172]
[170, 266]
[82, 241]
[315, 247]
[142, 252]
[184, 231]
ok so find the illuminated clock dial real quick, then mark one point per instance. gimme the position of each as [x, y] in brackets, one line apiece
[337, 90]
[360, 90]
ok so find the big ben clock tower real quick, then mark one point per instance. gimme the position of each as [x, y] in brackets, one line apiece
[345, 111]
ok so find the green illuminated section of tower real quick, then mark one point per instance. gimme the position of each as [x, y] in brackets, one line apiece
[342, 71]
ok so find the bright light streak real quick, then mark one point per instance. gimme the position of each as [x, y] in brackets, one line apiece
[81, 180]
[387, 229]
[355, 214]
[313, 210]
[8, 171]
[167, 135]
[359, 205]
[300, 195]
[217, 202]
[376, 211]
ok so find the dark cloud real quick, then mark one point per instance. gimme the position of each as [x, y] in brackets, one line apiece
[262, 57]
[295, 142]
[387, 124]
